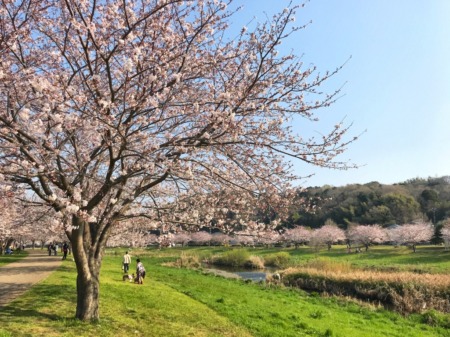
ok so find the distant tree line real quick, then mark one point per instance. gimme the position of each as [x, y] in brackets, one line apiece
[373, 203]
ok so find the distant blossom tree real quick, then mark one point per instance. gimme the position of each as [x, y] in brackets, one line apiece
[366, 235]
[326, 235]
[112, 109]
[181, 238]
[132, 233]
[201, 238]
[220, 239]
[164, 240]
[411, 234]
[298, 235]
[268, 238]
[7, 216]
[244, 239]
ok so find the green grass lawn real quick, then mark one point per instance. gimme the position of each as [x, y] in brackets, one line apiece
[182, 302]
[432, 259]
[17, 255]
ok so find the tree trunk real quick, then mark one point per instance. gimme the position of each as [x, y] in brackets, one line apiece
[88, 243]
[87, 298]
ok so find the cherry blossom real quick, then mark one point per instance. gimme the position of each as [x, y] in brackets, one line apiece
[366, 235]
[117, 109]
[201, 238]
[411, 234]
[297, 235]
[326, 235]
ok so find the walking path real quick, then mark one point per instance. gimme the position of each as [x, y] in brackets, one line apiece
[18, 277]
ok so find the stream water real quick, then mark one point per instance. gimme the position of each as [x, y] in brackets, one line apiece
[246, 274]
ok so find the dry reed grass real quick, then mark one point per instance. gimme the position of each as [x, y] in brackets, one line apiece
[403, 291]
[437, 281]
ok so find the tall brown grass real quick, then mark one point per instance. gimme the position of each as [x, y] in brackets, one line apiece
[403, 291]
[345, 272]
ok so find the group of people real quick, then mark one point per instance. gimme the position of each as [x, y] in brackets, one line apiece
[140, 269]
[9, 249]
[54, 247]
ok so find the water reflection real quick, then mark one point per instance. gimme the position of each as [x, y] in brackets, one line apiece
[255, 275]
[252, 275]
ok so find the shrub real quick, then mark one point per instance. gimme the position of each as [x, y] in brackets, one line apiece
[255, 262]
[435, 318]
[280, 259]
[232, 258]
[188, 260]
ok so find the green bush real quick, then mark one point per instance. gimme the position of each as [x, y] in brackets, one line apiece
[280, 259]
[436, 318]
[232, 258]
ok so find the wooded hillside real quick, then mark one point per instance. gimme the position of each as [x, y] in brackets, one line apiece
[374, 203]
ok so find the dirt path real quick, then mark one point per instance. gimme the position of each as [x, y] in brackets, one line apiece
[18, 277]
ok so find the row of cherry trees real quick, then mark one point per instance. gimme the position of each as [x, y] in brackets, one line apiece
[362, 235]
[355, 237]
[17, 215]
[14, 227]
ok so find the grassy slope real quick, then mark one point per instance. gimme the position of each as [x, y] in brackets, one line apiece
[178, 302]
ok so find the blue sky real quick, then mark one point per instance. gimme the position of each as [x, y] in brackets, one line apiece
[397, 82]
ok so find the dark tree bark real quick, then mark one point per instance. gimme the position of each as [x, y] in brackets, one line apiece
[88, 243]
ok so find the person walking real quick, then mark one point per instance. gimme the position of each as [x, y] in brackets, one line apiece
[65, 249]
[126, 262]
[140, 272]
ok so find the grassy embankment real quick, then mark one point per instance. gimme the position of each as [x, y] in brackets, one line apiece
[183, 302]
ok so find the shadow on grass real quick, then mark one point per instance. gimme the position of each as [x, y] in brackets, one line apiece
[13, 311]
[31, 305]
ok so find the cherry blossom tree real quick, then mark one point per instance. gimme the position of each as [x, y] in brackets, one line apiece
[6, 219]
[132, 233]
[244, 238]
[298, 235]
[165, 240]
[366, 235]
[201, 238]
[268, 238]
[36, 221]
[181, 238]
[10, 220]
[411, 234]
[220, 239]
[113, 109]
[326, 235]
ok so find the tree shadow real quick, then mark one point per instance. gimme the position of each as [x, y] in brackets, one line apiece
[14, 311]
[29, 305]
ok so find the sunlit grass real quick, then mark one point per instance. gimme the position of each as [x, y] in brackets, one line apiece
[183, 302]
[430, 259]
[152, 309]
